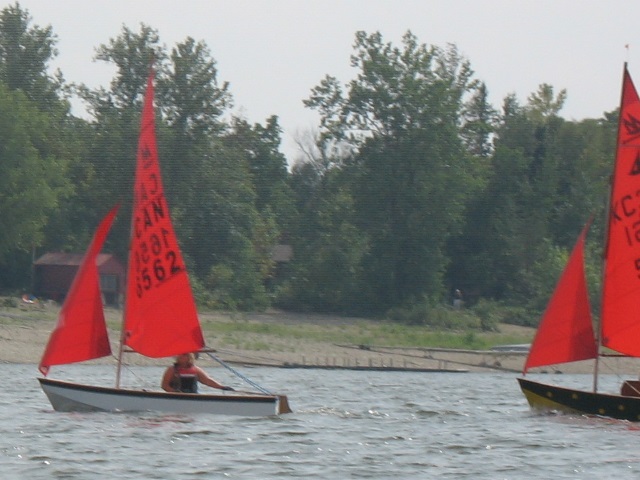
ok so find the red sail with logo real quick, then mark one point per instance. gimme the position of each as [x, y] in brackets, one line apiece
[566, 333]
[160, 314]
[621, 289]
[620, 315]
[81, 332]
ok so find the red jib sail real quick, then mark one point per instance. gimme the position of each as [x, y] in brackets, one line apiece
[566, 333]
[81, 332]
[621, 289]
[160, 317]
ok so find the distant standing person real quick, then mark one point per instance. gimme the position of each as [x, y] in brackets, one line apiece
[184, 375]
[457, 299]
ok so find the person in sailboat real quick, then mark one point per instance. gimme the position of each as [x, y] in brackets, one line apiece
[184, 375]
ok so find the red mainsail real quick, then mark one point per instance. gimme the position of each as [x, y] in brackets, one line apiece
[621, 289]
[160, 317]
[81, 332]
[566, 332]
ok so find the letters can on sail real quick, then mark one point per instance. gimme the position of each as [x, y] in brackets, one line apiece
[158, 290]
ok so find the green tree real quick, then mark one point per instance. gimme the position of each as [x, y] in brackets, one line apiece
[326, 273]
[544, 104]
[193, 103]
[132, 53]
[32, 179]
[410, 177]
[116, 123]
[267, 165]
[191, 98]
[36, 138]
[479, 123]
[206, 176]
[222, 231]
[546, 178]
[25, 53]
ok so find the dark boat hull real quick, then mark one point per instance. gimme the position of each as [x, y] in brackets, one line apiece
[550, 397]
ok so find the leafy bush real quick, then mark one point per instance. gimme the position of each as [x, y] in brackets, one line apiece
[439, 317]
[492, 313]
[9, 302]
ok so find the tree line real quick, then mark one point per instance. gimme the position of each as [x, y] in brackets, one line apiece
[413, 185]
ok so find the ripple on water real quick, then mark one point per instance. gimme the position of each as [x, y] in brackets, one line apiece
[346, 424]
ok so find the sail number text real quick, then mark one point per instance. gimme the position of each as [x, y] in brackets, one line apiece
[154, 255]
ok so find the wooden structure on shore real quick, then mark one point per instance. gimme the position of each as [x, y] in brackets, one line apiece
[54, 273]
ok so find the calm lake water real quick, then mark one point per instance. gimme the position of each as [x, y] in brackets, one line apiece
[346, 425]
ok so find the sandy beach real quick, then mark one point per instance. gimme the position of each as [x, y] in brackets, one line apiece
[24, 333]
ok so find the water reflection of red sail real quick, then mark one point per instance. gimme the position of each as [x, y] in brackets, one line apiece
[160, 316]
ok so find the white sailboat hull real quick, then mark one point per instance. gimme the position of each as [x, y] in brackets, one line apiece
[73, 397]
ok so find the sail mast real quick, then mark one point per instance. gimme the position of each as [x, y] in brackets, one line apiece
[160, 318]
[148, 97]
[608, 227]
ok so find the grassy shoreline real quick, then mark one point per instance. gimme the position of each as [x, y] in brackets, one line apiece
[283, 338]
[234, 328]
[357, 331]
[278, 338]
